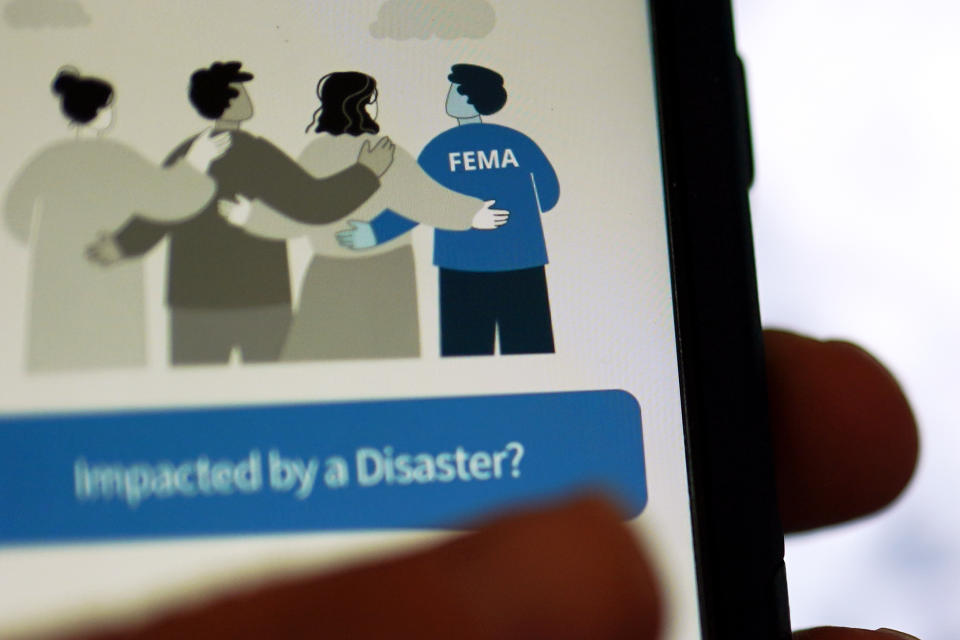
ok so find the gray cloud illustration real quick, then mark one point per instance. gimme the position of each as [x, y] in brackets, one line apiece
[36, 14]
[445, 19]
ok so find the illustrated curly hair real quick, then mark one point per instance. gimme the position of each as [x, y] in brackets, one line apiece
[483, 87]
[344, 96]
[210, 90]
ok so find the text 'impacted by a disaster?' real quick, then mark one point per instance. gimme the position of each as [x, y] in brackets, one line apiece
[416, 463]
[291, 475]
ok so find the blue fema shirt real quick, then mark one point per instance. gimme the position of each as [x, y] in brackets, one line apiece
[490, 162]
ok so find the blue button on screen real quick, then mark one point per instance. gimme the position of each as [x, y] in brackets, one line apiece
[417, 463]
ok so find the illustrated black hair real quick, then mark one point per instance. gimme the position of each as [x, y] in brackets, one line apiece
[344, 96]
[210, 90]
[81, 98]
[483, 87]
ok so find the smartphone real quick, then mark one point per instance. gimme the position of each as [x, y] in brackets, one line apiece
[289, 284]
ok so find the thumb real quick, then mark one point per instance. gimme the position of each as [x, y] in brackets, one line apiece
[365, 148]
[564, 572]
[241, 199]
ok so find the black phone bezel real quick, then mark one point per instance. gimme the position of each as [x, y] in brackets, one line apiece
[708, 167]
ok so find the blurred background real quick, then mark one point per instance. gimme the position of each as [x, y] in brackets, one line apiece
[856, 212]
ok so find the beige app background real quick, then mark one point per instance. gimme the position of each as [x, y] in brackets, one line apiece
[579, 83]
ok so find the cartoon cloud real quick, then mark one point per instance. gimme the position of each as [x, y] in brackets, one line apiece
[422, 19]
[36, 14]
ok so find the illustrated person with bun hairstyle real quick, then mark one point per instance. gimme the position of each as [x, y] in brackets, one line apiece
[492, 285]
[79, 315]
[360, 304]
[228, 289]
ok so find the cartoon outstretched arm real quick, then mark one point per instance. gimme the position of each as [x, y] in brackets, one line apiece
[277, 180]
[259, 217]
[288, 188]
[161, 196]
[422, 200]
[406, 189]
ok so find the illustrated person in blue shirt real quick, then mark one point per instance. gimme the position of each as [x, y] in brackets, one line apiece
[492, 283]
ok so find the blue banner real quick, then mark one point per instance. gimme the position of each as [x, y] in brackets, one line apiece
[418, 463]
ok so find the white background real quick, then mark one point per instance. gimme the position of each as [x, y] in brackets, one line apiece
[856, 220]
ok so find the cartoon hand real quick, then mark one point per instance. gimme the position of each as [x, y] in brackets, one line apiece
[360, 236]
[206, 148]
[378, 158]
[105, 251]
[236, 212]
[488, 218]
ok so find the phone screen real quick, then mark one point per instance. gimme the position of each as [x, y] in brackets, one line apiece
[242, 335]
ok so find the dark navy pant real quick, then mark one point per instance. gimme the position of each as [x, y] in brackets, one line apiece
[475, 306]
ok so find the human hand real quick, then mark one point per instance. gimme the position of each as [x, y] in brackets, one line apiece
[827, 399]
[236, 212]
[206, 148]
[378, 158]
[574, 571]
[104, 251]
[359, 236]
[488, 218]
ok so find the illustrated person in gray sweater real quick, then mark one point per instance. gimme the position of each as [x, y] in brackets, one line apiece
[360, 304]
[80, 316]
[228, 289]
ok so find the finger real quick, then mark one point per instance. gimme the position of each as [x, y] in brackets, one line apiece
[383, 142]
[845, 440]
[365, 147]
[572, 571]
[836, 633]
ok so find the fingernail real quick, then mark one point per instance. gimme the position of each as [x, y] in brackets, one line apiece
[897, 634]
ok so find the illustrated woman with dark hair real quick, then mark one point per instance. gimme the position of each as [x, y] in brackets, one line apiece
[360, 304]
[79, 314]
